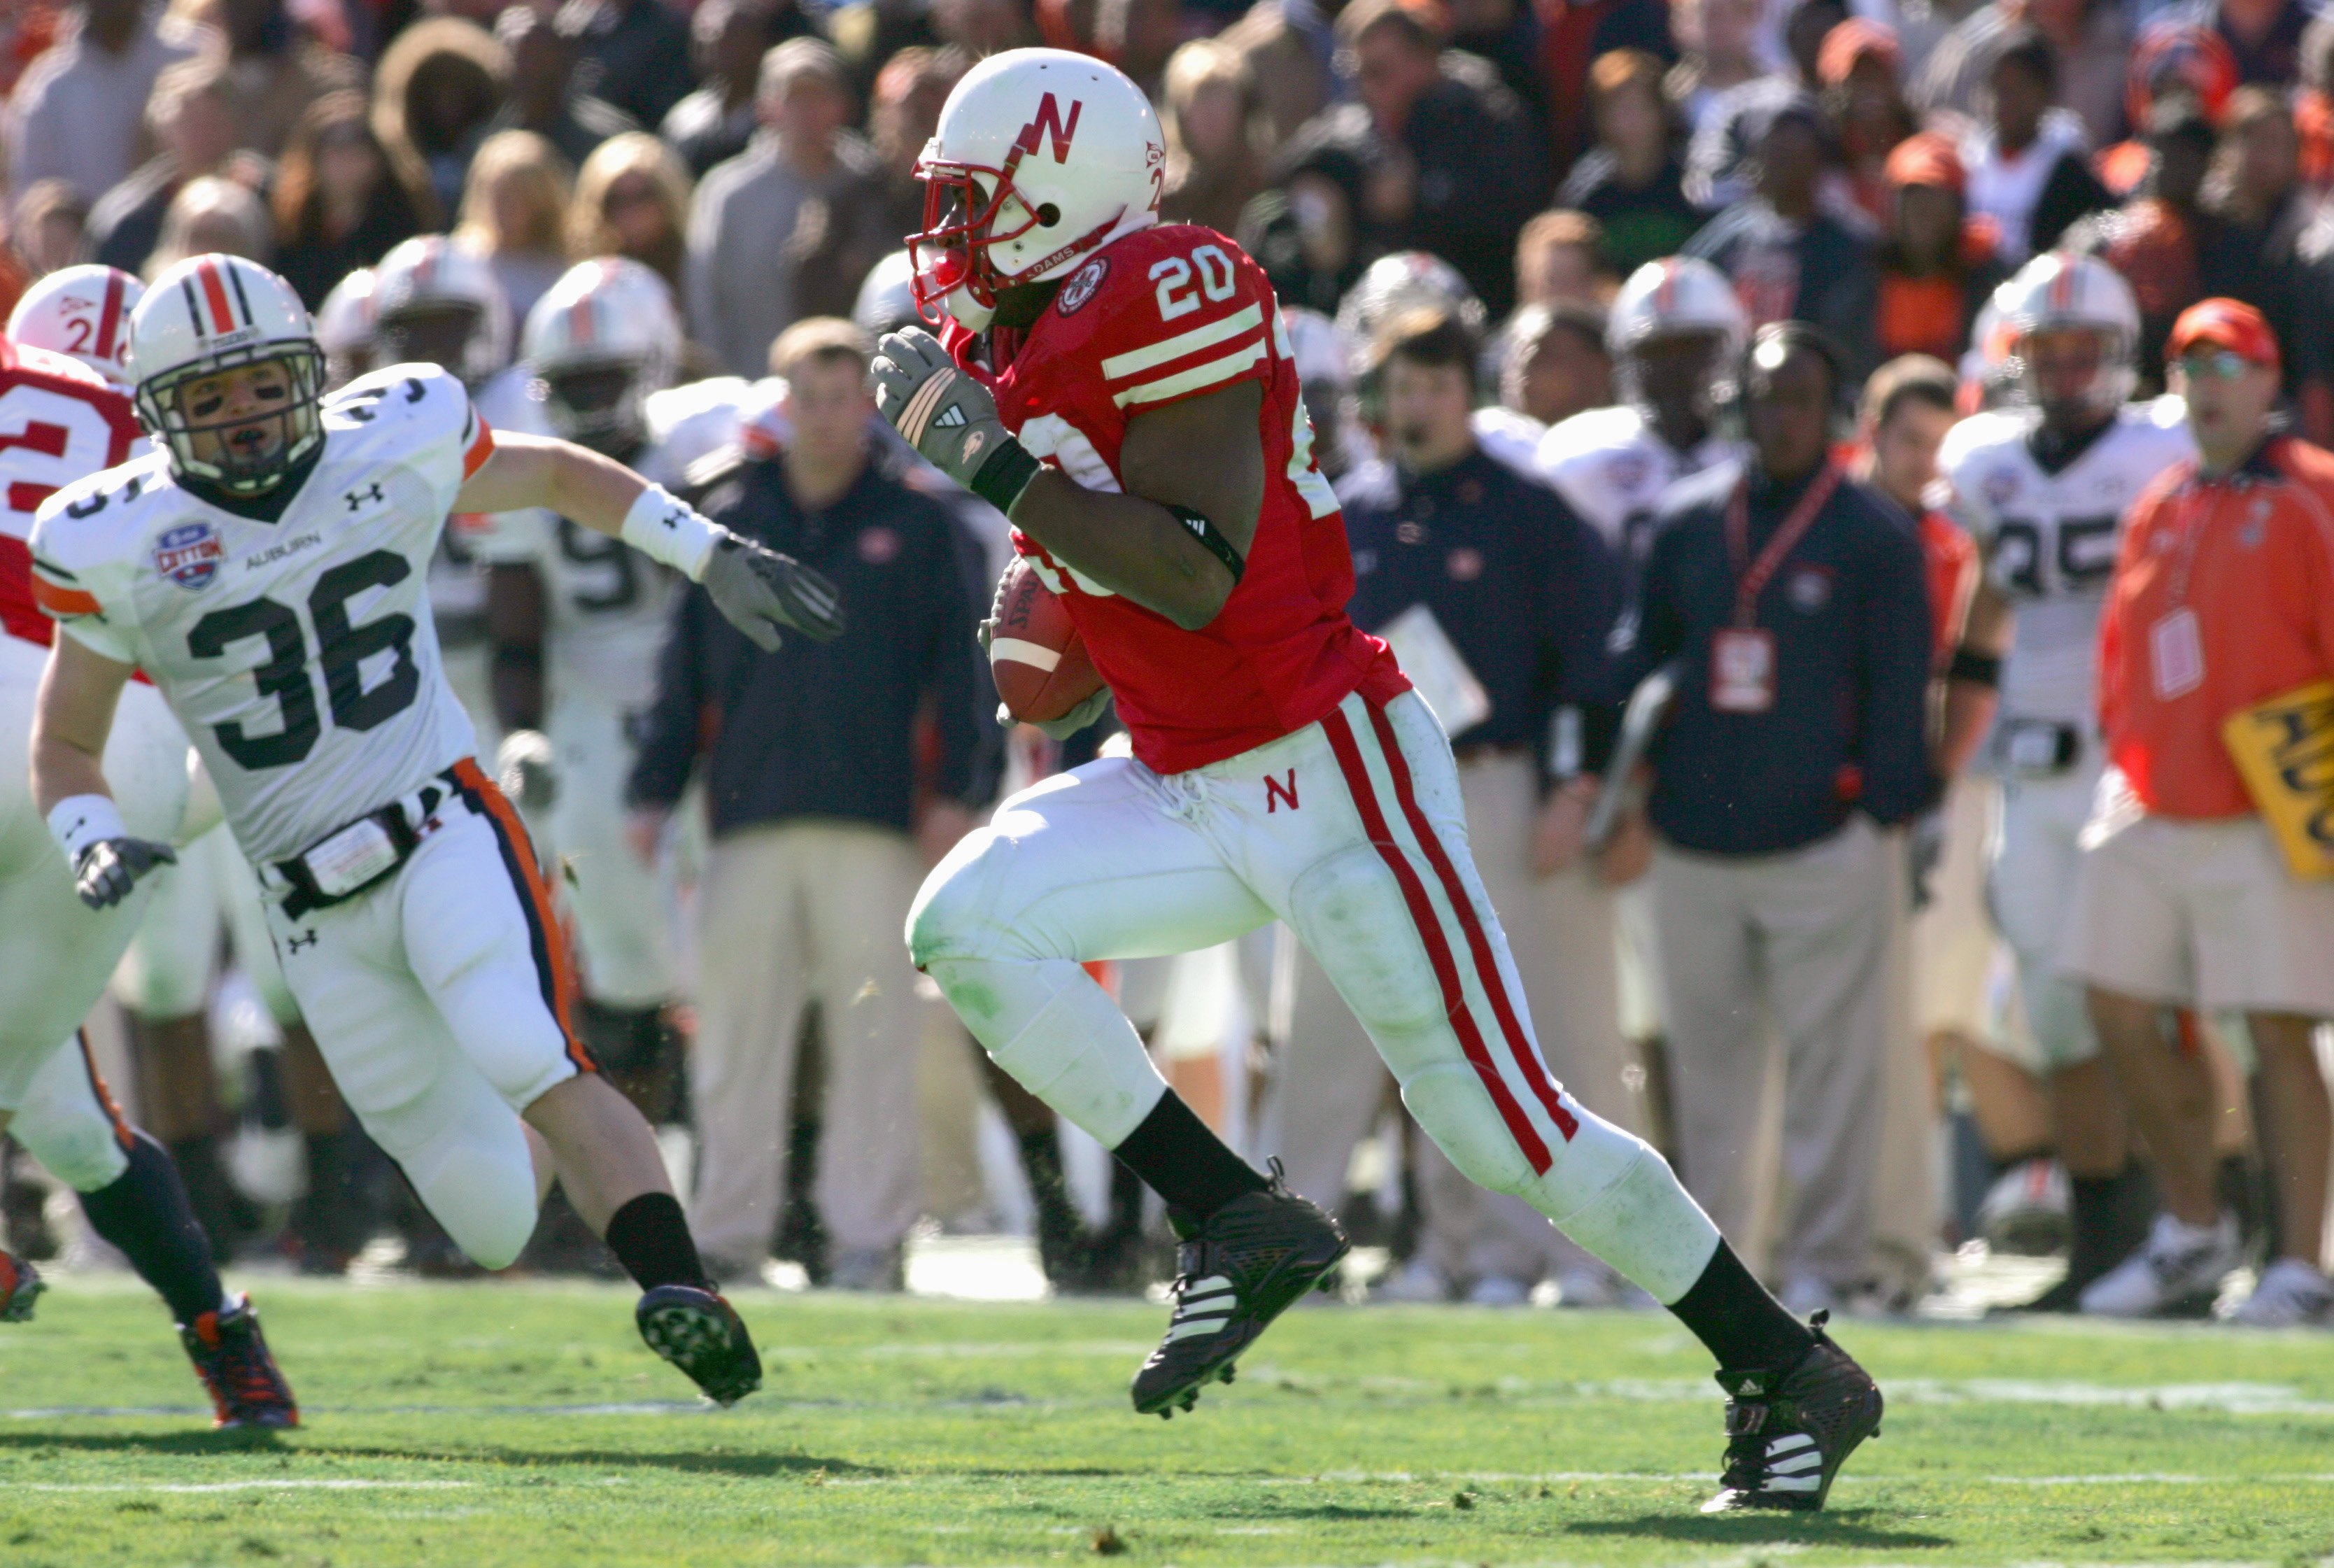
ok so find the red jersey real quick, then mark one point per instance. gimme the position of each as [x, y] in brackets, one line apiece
[2222, 597]
[59, 422]
[1163, 314]
[1952, 562]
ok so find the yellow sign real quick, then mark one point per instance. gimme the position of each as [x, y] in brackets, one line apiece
[2284, 747]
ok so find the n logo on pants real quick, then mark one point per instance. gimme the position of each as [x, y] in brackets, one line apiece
[1275, 792]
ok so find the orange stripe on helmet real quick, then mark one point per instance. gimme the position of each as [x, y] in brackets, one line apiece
[215, 295]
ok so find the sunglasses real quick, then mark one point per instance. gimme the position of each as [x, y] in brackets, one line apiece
[2214, 364]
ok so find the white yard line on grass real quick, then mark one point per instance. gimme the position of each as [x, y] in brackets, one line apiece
[287, 1485]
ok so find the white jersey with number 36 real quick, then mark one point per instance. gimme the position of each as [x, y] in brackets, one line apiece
[2051, 535]
[298, 652]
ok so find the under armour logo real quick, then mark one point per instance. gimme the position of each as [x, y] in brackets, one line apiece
[357, 498]
[298, 940]
[671, 519]
[949, 417]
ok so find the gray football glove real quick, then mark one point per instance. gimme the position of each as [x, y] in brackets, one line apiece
[948, 417]
[1086, 712]
[759, 590]
[527, 770]
[108, 868]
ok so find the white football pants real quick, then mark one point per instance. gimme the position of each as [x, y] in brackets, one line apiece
[55, 951]
[441, 1000]
[623, 909]
[2032, 891]
[1351, 830]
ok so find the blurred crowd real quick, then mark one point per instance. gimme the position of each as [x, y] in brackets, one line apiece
[432, 177]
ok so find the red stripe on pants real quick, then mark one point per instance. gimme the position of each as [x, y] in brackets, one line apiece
[1520, 1045]
[1430, 929]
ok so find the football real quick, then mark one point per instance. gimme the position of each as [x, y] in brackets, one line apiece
[1040, 667]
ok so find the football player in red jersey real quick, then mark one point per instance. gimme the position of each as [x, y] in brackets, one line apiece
[1125, 391]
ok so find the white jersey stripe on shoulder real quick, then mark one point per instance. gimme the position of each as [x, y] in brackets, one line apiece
[1192, 379]
[1174, 348]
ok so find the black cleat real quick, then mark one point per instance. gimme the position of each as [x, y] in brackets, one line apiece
[232, 1359]
[20, 1287]
[1788, 1435]
[703, 1335]
[1249, 1262]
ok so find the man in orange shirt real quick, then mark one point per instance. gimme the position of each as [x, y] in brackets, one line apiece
[2222, 597]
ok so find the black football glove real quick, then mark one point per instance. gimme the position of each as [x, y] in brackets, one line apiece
[759, 590]
[108, 868]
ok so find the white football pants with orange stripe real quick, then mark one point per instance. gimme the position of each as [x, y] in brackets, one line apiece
[1351, 830]
[441, 999]
[55, 951]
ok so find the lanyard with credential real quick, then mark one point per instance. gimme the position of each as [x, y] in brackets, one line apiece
[1750, 580]
[1743, 654]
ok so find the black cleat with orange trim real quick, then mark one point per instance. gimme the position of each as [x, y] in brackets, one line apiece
[20, 1287]
[232, 1359]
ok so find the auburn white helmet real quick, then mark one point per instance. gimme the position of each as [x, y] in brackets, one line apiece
[1406, 280]
[887, 296]
[1677, 294]
[81, 312]
[1041, 156]
[433, 300]
[213, 314]
[601, 340]
[1321, 351]
[2059, 291]
[344, 325]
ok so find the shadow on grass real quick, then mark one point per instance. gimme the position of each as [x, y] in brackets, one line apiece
[685, 1461]
[1838, 1528]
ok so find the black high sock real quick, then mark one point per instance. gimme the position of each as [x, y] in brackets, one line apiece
[1745, 1327]
[2110, 1216]
[1183, 1162]
[651, 1238]
[144, 1211]
[1059, 1224]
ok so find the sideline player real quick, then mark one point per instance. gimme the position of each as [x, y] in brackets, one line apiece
[576, 621]
[1125, 393]
[55, 954]
[265, 567]
[2043, 487]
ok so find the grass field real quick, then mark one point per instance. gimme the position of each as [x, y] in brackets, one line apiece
[523, 1423]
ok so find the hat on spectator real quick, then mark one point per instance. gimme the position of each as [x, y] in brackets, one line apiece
[1927, 158]
[2229, 323]
[1857, 38]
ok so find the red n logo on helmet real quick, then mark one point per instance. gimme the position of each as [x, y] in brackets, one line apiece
[1049, 125]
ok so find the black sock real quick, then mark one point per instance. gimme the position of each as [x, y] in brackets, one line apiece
[1183, 1162]
[1745, 1327]
[144, 1213]
[2108, 1216]
[651, 1238]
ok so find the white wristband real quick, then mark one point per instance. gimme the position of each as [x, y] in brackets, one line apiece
[81, 820]
[665, 529]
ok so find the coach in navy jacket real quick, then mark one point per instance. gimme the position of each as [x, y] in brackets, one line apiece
[821, 832]
[1793, 605]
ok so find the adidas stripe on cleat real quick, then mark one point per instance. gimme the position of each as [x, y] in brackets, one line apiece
[1789, 1434]
[1242, 1267]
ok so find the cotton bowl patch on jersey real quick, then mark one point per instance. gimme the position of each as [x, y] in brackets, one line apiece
[1082, 284]
[189, 555]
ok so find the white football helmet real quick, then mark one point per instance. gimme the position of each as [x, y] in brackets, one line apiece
[1677, 296]
[211, 313]
[1406, 280]
[887, 296]
[1041, 156]
[601, 340]
[83, 312]
[344, 327]
[433, 300]
[1319, 349]
[2059, 291]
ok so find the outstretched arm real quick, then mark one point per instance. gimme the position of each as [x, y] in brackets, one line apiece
[757, 589]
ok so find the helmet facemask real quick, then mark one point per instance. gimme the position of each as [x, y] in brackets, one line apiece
[968, 211]
[599, 403]
[245, 454]
[2074, 385]
[1678, 377]
[442, 332]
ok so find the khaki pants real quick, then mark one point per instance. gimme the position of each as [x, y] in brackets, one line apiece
[1807, 939]
[1326, 1092]
[788, 915]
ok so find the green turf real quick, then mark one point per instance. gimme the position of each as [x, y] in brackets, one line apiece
[489, 1423]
